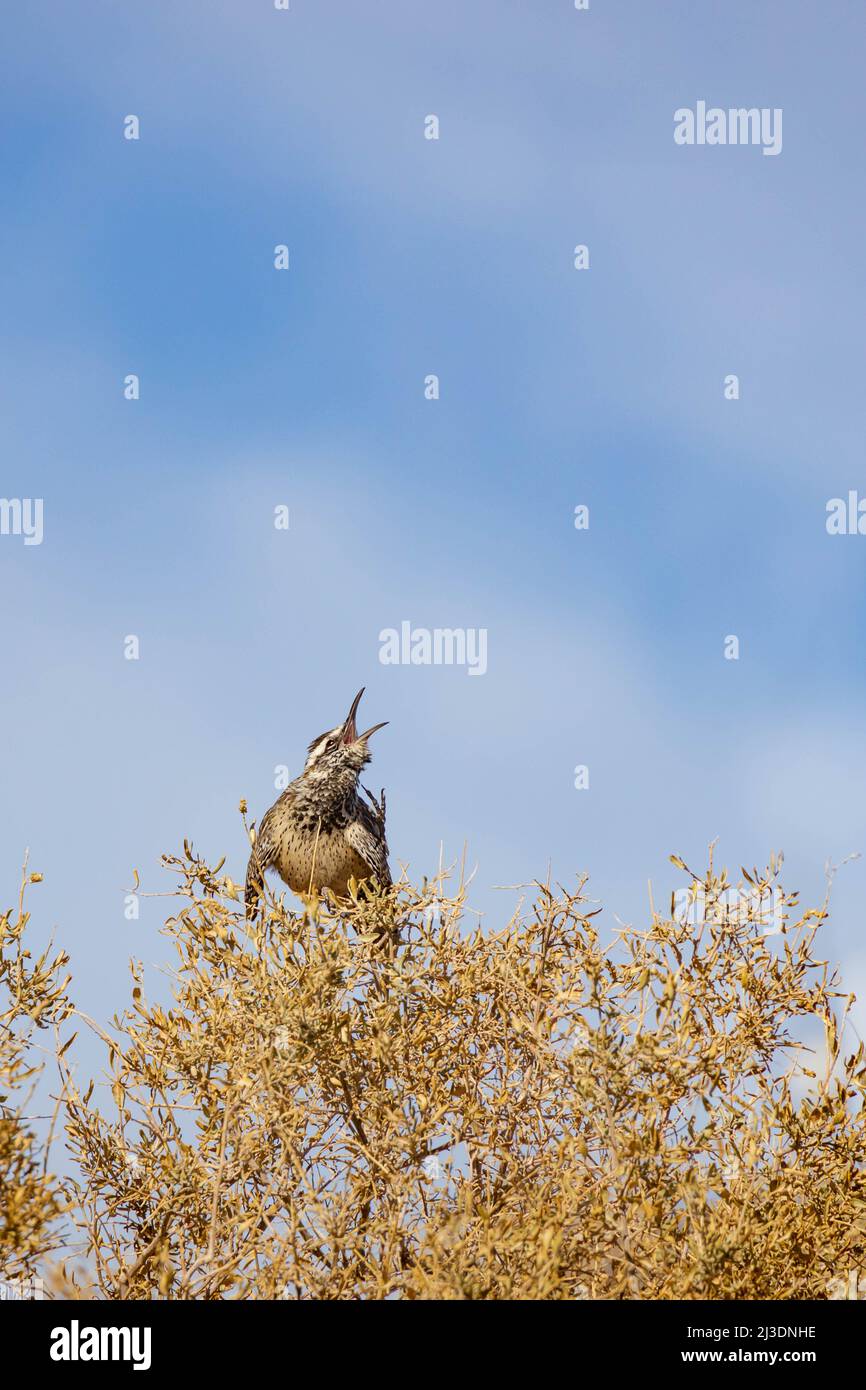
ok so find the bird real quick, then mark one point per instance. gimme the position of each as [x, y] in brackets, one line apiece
[320, 834]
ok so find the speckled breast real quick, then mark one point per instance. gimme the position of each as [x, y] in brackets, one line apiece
[305, 863]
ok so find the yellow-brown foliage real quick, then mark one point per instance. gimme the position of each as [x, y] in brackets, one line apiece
[452, 1111]
[32, 998]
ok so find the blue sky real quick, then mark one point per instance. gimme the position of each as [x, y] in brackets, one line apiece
[305, 387]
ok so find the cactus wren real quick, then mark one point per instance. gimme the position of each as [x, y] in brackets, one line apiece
[320, 833]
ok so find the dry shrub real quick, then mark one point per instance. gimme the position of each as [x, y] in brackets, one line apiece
[383, 1100]
[32, 998]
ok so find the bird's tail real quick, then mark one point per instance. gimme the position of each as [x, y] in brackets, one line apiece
[254, 885]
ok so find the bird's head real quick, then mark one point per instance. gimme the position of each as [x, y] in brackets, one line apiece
[343, 749]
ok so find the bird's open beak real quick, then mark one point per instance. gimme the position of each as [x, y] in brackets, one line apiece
[350, 728]
[361, 737]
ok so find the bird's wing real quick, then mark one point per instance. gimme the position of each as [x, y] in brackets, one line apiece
[366, 835]
[261, 857]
